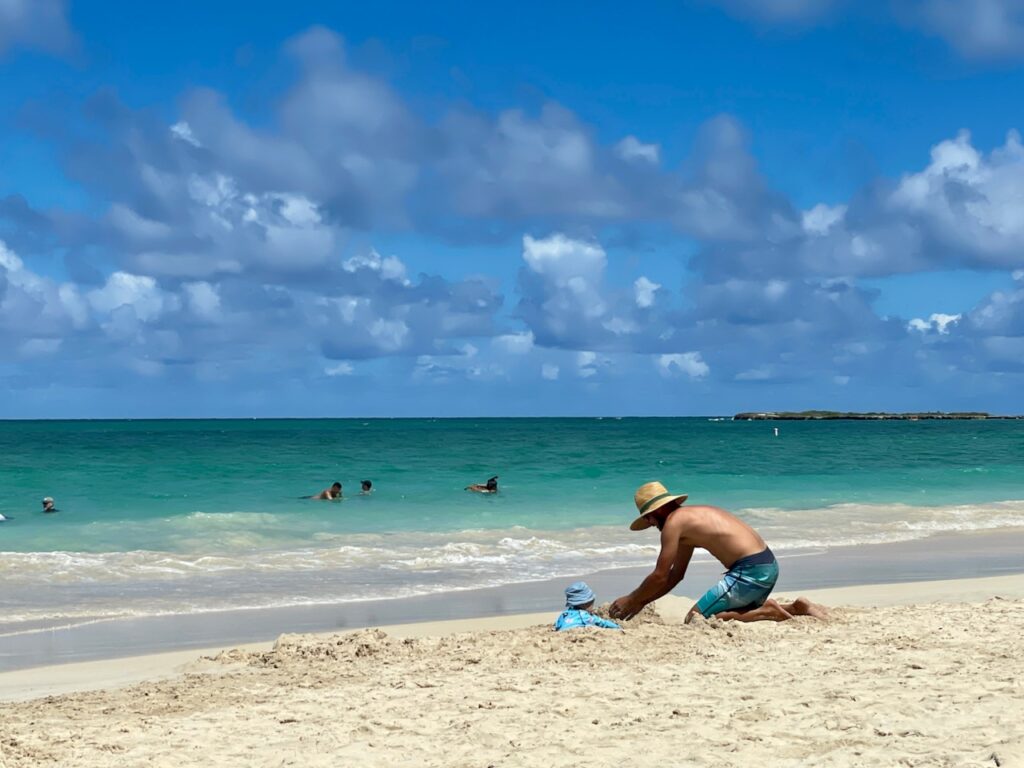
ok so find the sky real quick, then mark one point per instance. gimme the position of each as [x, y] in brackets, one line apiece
[441, 209]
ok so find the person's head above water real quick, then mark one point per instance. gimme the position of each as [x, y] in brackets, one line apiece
[335, 486]
[491, 486]
[367, 486]
[654, 503]
[47, 504]
[579, 595]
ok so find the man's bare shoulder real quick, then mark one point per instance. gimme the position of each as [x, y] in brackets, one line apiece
[703, 508]
[685, 517]
[693, 512]
[690, 517]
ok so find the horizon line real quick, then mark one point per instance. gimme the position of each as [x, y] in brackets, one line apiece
[730, 416]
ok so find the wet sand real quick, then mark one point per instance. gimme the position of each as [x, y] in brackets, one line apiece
[936, 558]
[917, 674]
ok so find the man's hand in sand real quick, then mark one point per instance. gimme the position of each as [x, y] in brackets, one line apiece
[624, 608]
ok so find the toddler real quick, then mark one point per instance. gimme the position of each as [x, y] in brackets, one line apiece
[579, 599]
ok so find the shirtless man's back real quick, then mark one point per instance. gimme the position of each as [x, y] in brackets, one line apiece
[712, 528]
[752, 570]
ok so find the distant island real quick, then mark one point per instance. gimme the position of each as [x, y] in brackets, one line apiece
[869, 416]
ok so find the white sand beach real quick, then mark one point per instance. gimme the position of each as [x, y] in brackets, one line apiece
[925, 674]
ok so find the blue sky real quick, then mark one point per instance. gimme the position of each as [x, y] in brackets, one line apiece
[439, 209]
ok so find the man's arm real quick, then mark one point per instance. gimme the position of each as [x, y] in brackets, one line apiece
[673, 561]
[682, 562]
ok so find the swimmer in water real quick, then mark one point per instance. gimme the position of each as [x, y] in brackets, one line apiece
[491, 486]
[48, 505]
[367, 488]
[329, 494]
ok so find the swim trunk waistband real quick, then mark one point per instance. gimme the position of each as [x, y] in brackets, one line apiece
[764, 557]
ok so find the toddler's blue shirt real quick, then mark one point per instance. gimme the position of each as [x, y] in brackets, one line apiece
[571, 618]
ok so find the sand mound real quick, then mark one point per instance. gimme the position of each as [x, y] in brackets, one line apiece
[910, 686]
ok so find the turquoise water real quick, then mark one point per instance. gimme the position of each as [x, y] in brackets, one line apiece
[196, 515]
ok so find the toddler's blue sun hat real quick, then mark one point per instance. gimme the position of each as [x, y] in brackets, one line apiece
[578, 594]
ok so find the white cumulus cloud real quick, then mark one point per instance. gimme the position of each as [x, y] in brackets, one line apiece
[389, 267]
[202, 299]
[139, 292]
[182, 130]
[686, 363]
[644, 291]
[971, 202]
[343, 368]
[564, 259]
[514, 343]
[390, 335]
[586, 364]
[938, 322]
[631, 148]
[821, 218]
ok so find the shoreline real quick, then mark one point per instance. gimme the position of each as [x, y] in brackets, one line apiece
[938, 558]
[110, 674]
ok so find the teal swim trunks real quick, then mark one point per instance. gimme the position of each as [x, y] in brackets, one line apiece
[745, 586]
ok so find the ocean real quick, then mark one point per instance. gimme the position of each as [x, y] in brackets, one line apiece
[165, 517]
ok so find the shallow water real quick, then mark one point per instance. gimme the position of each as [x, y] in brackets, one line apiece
[172, 516]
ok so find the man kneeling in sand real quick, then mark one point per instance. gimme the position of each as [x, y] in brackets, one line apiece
[741, 595]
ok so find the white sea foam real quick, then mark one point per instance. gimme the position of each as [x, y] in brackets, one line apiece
[512, 548]
[332, 567]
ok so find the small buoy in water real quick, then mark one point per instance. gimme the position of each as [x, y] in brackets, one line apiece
[776, 430]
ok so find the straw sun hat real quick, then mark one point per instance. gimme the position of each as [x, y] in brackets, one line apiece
[648, 498]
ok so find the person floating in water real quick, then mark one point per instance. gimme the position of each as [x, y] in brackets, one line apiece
[328, 494]
[367, 488]
[579, 599]
[491, 486]
[48, 505]
[751, 568]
